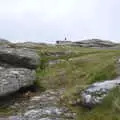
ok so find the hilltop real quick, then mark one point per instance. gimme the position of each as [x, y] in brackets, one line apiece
[89, 43]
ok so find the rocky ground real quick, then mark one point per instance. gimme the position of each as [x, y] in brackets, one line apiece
[95, 43]
[40, 106]
[17, 71]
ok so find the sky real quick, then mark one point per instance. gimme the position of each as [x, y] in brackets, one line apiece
[51, 20]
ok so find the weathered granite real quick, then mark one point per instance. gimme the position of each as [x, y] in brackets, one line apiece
[96, 92]
[94, 43]
[42, 106]
[12, 79]
[19, 57]
[17, 68]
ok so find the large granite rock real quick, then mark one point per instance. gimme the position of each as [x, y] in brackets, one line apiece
[17, 68]
[19, 57]
[96, 92]
[12, 79]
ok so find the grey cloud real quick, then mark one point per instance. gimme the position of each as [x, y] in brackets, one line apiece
[50, 20]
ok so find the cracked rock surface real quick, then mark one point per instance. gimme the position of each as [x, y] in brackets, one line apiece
[17, 69]
[96, 92]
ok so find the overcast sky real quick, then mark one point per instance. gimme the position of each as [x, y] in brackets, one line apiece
[51, 20]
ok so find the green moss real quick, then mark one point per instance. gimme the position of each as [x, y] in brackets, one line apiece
[6, 111]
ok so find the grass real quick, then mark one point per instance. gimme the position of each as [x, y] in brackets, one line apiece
[79, 68]
[108, 110]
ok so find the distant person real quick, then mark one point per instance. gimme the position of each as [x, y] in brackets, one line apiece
[65, 38]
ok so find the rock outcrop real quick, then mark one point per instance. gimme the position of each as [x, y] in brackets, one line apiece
[30, 45]
[19, 57]
[12, 79]
[4, 41]
[17, 68]
[94, 43]
[96, 92]
[89, 43]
